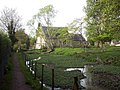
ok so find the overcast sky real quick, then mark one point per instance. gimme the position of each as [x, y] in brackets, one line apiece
[67, 10]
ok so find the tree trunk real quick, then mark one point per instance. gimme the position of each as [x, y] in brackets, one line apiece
[97, 44]
[50, 47]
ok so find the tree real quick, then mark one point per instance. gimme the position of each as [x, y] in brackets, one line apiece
[103, 20]
[23, 39]
[59, 35]
[44, 17]
[76, 26]
[10, 22]
[5, 52]
[32, 42]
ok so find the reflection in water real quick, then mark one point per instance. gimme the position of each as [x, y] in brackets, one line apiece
[86, 82]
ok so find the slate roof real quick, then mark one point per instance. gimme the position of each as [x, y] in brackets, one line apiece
[75, 37]
[78, 37]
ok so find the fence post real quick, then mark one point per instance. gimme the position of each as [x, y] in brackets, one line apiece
[42, 77]
[75, 84]
[52, 79]
[25, 59]
[35, 69]
[32, 64]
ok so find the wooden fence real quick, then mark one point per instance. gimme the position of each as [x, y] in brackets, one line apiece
[32, 65]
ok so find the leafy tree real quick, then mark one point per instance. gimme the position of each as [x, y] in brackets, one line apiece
[32, 42]
[10, 22]
[32, 28]
[103, 18]
[76, 26]
[59, 35]
[5, 52]
[28, 43]
[63, 36]
[23, 38]
[44, 17]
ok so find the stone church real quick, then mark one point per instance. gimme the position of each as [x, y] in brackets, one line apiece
[76, 40]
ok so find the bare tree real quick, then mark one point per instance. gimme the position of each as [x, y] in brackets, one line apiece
[10, 22]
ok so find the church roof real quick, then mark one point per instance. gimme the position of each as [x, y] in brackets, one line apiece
[75, 37]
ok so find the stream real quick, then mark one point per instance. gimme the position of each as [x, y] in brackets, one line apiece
[86, 83]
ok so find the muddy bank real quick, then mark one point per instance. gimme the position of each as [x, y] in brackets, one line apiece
[106, 80]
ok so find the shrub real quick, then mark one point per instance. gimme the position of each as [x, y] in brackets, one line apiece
[5, 45]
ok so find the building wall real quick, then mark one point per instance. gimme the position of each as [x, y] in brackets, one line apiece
[40, 43]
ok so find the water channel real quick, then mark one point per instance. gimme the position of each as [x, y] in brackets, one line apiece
[86, 83]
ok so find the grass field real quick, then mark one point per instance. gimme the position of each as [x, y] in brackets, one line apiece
[63, 58]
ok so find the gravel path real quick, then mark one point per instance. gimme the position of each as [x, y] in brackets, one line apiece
[18, 82]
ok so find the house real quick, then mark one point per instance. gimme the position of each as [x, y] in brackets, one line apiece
[40, 42]
[54, 36]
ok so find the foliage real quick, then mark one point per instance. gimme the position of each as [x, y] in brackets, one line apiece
[63, 58]
[23, 39]
[5, 45]
[7, 79]
[5, 52]
[102, 20]
[16, 47]
[39, 31]
[62, 38]
[28, 76]
[76, 26]
[10, 22]
[45, 15]
[32, 42]
[59, 35]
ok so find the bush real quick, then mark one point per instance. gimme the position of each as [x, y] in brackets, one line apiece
[5, 51]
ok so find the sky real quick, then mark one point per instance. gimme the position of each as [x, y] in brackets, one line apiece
[67, 10]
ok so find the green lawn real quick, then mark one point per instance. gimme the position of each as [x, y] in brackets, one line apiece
[63, 58]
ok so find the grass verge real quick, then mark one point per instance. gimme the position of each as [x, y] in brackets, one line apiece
[28, 76]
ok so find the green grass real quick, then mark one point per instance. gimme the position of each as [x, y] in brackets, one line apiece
[28, 76]
[59, 60]
[62, 79]
[107, 69]
[60, 63]
[67, 51]
[63, 58]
